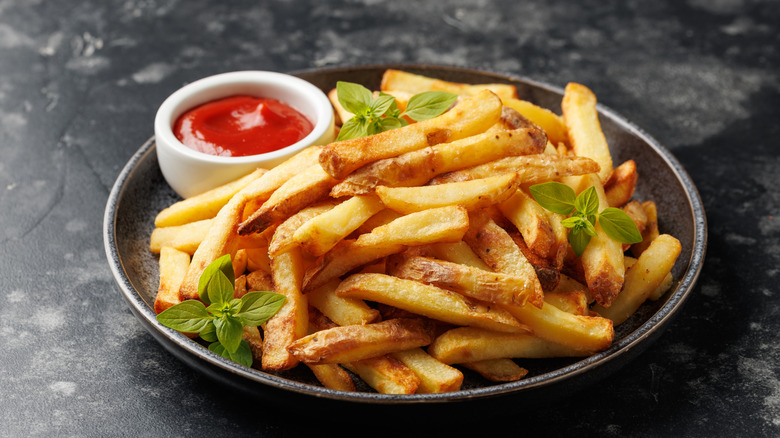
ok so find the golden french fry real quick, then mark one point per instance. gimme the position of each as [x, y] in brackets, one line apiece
[291, 322]
[620, 186]
[575, 302]
[426, 300]
[283, 238]
[533, 222]
[491, 287]
[584, 129]
[469, 117]
[239, 262]
[457, 252]
[203, 206]
[497, 370]
[341, 310]
[551, 123]
[186, 237]
[497, 249]
[173, 268]
[471, 344]
[253, 337]
[362, 341]
[413, 83]
[321, 233]
[386, 374]
[546, 271]
[260, 280]
[384, 217]
[307, 187]
[332, 376]
[644, 277]
[257, 260]
[418, 167]
[651, 229]
[530, 169]
[435, 376]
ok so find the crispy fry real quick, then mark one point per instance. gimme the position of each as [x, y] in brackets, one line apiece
[332, 376]
[303, 189]
[469, 117]
[203, 206]
[435, 376]
[551, 123]
[546, 271]
[384, 217]
[530, 169]
[186, 237]
[386, 374]
[533, 222]
[620, 186]
[497, 370]
[584, 129]
[471, 195]
[173, 268]
[417, 167]
[291, 322]
[427, 300]
[575, 302]
[644, 277]
[362, 341]
[412, 83]
[457, 252]
[341, 310]
[283, 238]
[321, 233]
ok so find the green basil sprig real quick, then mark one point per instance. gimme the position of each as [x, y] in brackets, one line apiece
[374, 115]
[583, 208]
[222, 322]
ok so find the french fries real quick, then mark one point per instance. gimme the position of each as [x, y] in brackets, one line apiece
[407, 256]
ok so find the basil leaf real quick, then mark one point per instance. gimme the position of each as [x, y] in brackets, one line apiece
[242, 355]
[382, 104]
[220, 289]
[587, 202]
[578, 240]
[188, 316]
[258, 307]
[209, 334]
[389, 123]
[429, 104]
[554, 196]
[229, 331]
[589, 228]
[352, 128]
[571, 222]
[392, 111]
[355, 98]
[222, 264]
[619, 226]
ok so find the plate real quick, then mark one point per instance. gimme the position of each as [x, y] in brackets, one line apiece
[140, 192]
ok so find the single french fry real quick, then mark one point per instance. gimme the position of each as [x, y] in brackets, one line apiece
[362, 341]
[284, 237]
[203, 206]
[620, 186]
[173, 268]
[546, 270]
[568, 284]
[253, 337]
[413, 83]
[497, 370]
[551, 123]
[664, 287]
[332, 376]
[491, 287]
[583, 127]
[426, 300]
[469, 117]
[341, 310]
[530, 169]
[307, 187]
[239, 260]
[497, 249]
[321, 233]
[602, 260]
[345, 257]
[457, 252]
[575, 302]
[418, 167]
[533, 222]
[291, 322]
[644, 277]
[468, 194]
[186, 237]
[386, 374]
[651, 229]
[384, 217]
[471, 344]
[435, 376]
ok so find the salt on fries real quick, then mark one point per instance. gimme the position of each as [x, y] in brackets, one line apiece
[408, 256]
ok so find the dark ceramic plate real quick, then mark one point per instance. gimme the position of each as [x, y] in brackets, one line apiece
[140, 192]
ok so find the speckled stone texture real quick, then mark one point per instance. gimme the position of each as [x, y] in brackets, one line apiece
[80, 82]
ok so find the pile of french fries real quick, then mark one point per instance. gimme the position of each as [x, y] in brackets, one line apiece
[410, 255]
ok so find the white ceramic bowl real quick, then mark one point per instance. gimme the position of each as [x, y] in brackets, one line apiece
[190, 172]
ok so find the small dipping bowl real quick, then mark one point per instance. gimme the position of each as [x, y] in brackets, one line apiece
[190, 172]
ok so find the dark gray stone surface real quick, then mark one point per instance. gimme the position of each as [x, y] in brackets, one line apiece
[80, 82]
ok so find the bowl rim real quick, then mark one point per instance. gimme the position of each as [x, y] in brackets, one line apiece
[167, 112]
[630, 344]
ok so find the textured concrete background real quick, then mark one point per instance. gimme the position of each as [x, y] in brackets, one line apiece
[80, 82]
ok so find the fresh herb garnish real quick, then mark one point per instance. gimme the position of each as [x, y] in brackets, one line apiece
[374, 115]
[222, 322]
[583, 208]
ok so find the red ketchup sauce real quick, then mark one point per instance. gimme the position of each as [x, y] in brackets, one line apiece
[239, 126]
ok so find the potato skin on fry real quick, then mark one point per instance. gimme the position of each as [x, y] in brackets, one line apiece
[357, 342]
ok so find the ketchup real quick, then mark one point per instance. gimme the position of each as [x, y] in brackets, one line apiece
[239, 126]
